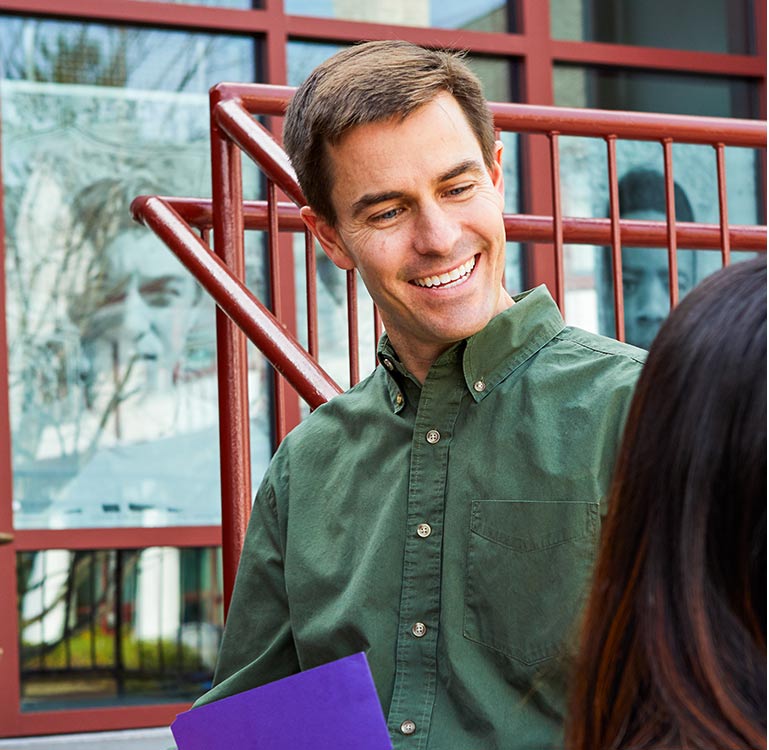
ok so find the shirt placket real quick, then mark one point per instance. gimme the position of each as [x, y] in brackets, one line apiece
[419, 615]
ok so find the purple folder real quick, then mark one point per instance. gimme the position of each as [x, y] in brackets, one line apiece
[334, 706]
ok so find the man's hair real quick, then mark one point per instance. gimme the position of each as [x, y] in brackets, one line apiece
[674, 634]
[640, 189]
[367, 83]
[644, 190]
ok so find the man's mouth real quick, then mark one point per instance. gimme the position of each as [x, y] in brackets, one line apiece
[449, 277]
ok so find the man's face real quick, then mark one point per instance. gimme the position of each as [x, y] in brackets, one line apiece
[146, 309]
[420, 216]
[645, 285]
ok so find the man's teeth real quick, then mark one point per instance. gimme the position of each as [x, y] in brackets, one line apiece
[445, 278]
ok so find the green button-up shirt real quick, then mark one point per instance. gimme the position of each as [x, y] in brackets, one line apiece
[446, 529]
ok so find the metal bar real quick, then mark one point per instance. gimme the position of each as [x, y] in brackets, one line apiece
[232, 118]
[279, 387]
[118, 615]
[527, 118]
[232, 356]
[351, 32]
[263, 22]
[287, 316]
[616, 247]
[519, 227]
[656, 58]
[10, 637]
[530, 118]
[536, 73]
[195, 17]
[238, 302]
[310, 270]
[670, 210]
[352, 326]
[94, 611]
[118, 538]
[723, 211]
[634, 232]
[555, 187]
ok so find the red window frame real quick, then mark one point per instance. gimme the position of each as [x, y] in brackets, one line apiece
[536, 54]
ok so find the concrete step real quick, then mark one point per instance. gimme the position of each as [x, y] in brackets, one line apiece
[132, 739]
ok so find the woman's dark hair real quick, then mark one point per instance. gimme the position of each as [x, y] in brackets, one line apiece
[673, 651]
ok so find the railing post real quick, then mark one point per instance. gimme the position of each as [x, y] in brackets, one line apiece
[232, 356]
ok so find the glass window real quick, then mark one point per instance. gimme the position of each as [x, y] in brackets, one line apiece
[481, 15]
[111, 358]
[649, 91]
[584, 170]
[704, 25]
[108, 627]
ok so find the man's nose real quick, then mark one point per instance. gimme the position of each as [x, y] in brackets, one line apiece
[136, 319]
[656, 301]
[436, 231]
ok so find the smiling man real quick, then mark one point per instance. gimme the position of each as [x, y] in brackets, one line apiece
[442, 514]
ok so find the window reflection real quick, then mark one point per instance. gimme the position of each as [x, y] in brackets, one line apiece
[584, 190]
[102, 626]
[707, 25]
[480, 15]
[112, 357]
[645, 276]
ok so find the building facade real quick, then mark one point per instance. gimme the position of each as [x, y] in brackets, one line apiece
[109, 469]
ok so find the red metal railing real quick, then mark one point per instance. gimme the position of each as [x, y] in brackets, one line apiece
[184, 225]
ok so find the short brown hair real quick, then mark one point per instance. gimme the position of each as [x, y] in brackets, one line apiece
[368, 83]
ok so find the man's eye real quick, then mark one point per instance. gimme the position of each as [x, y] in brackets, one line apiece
[387, 215]
[629, 286]
[458, 190]
[161, 292]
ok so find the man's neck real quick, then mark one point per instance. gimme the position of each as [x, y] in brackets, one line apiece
[418, 357]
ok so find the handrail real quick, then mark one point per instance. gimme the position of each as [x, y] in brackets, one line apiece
[280, 348]
[234, 129]
[198, 213]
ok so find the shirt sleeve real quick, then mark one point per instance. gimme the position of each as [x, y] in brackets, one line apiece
[257, 644]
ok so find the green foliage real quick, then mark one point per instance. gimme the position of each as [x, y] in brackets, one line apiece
[85, 650]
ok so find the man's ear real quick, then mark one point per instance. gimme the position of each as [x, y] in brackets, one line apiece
[328, 237]
[497, 177]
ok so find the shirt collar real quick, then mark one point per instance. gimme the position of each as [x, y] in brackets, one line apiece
[395, 370]
[490, 355]
[509, 339]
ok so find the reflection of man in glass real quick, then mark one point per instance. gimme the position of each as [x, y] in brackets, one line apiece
[135, 307]
[645, 270]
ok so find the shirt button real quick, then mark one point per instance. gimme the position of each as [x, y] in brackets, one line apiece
[433, 436]
[479, 386]
[399, 399]
[424, 530]
[408, 727]
[388, 363]
[418, 629]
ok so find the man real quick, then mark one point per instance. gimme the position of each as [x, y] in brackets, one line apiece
[441, 515]
[645, 275]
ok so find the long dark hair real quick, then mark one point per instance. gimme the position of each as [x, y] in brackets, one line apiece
[673, 651]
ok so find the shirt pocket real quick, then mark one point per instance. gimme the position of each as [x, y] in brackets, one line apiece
[528, 563]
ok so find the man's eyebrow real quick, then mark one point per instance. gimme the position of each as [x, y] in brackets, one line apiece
[371, 199]
[469, 165]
